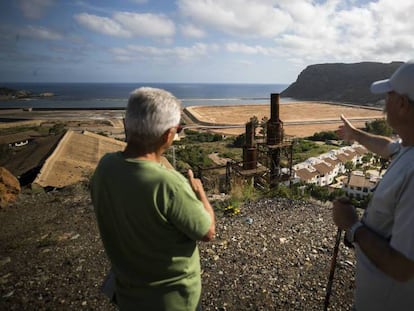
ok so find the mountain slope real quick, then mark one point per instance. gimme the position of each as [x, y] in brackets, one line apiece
[340, 82]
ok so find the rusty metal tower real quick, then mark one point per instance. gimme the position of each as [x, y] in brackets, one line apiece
[250, 148]
[269, 151]
[274, 139]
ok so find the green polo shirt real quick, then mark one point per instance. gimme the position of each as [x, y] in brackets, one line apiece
[149, 220]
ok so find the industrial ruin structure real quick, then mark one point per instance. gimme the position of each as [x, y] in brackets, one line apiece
[267, 158]
[267, 154]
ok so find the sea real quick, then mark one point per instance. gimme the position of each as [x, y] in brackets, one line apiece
[115, 95]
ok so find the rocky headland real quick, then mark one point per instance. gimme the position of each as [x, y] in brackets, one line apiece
[339, 82]
[10, 94]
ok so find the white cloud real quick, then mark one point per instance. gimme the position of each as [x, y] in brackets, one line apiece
[34, 9]
[237, 17]
[126, 24]
[242, 48]
[90, 7]
[103, 25]
[288, 34]
[192, 31]
[376, 31]
[37, 32]
[314, 31]
[182, 53]
[146, 24]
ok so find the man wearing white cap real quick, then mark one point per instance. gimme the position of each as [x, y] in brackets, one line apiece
[384, 237]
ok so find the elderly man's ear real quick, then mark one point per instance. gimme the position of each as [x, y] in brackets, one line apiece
[168, 136]
[405, 106]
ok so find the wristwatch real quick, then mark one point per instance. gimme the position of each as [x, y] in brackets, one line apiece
[350, 233]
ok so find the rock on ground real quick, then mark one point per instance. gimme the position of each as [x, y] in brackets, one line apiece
[274, 255]
[9, 187]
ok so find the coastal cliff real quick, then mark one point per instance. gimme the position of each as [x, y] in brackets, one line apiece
[7, 94]
[338, 82]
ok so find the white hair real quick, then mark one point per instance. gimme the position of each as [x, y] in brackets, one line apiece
[150, 112]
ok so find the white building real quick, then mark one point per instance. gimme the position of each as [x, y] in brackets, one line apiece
[360, 185]
[323, 169]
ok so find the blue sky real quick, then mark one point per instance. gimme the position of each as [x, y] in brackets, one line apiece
[214, 41]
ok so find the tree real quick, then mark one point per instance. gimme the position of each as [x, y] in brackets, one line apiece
[324, 135]
[239, 141]
[263, 124]
[379, 127]
[255, 121]
[318, 192]
[336, 193]
[349, 166]
[196, 136]
[194, 156]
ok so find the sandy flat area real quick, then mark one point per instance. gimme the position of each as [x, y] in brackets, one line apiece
[306, 114]
[300, 119]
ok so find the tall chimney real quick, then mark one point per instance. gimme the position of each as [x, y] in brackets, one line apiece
[250, 148]
[274, 125]
[250, 134]
[274, 107]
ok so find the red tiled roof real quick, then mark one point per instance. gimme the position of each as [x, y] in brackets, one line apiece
[360, 181]
[331, 161]
[344, 157]
[305, 174]
[323, 168]
[360, 150]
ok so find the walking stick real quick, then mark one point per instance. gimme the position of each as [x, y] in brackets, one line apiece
[332, 271]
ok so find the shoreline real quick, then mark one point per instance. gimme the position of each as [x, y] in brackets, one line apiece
[282, 103]
[61, 108]
[300, 119]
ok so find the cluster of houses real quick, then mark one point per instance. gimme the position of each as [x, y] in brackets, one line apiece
[331, 169]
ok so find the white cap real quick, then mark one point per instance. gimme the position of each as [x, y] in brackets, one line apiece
[401, 82]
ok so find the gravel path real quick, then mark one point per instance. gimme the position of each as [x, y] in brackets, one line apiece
[274, 255]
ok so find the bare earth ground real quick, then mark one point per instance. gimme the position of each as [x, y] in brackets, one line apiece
[75, 158]
[328, 116]
[274, 255]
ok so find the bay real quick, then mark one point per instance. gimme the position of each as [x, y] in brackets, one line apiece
[115, 95]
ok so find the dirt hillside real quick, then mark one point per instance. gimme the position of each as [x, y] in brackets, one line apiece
[274, 255]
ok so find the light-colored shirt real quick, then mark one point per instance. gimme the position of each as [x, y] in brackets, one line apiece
[390, 214]
[149, 220]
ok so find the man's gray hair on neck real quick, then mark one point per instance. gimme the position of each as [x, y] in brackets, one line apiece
[150, 112]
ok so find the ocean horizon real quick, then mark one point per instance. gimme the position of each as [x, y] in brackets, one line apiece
[115, 95]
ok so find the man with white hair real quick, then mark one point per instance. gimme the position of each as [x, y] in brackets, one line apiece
[150, 217]
[384, 237]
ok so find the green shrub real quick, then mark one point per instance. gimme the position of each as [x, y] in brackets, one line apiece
[379, 127]
[239, 141]
[192, 156]
[199, 137]
[324, 136]
[304, 149]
